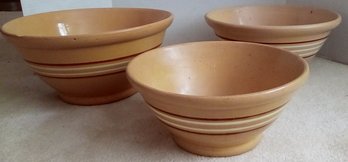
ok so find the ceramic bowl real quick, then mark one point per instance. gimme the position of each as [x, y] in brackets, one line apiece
[189, 85]
[301, 30]
[83, 53]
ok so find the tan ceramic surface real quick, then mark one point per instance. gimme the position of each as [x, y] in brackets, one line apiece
[303, 49]
[106, 34]
[82, 70]
[217, 126]
[299, 29]
[91, 53]
[217, 80]
[217, 145]
[88, 84]
[83, 53]
[91, 90]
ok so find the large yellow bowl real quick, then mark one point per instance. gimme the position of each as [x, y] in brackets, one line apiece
[83, 53]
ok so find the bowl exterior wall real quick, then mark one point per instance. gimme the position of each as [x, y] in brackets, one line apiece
[93, 87]
[271, 36]
[217, 145]
[91, 90]
[302, 49]
[217, 126]
[92, 54]
[216, 109]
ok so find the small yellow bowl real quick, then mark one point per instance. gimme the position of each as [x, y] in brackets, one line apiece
[242, 86]
[305, 29]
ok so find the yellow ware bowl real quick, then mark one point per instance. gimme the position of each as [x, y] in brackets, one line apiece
[83, 53]
[300, 27]
[219, 80]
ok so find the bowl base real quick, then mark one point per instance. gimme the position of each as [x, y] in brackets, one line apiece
[218, 151]
[97, 100]
[309, 59]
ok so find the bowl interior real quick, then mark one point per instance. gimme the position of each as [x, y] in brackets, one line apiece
[215, 68]
[83, 21]
[272, 15]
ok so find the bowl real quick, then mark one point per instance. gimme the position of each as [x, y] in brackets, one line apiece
[299, 29]
[83, 53]
[217, 89]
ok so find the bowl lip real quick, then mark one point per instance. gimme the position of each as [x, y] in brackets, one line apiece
[297, 80]
[335, 21]
[170, 17]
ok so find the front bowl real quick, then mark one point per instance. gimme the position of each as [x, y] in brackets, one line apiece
[66, 48]
[305, 29]
[217, 80]
[216, 98]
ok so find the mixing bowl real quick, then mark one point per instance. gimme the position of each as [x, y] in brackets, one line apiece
[299, 29]
[223, 90]
[83, 53]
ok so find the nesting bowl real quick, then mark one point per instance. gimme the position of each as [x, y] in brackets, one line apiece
[83, 53]
[216, 98]
[299, 29]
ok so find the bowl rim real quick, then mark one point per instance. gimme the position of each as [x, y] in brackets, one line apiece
[336, 21]
[170, 17]
[303, 76]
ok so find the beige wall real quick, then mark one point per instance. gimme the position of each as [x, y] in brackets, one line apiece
[189, 24]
